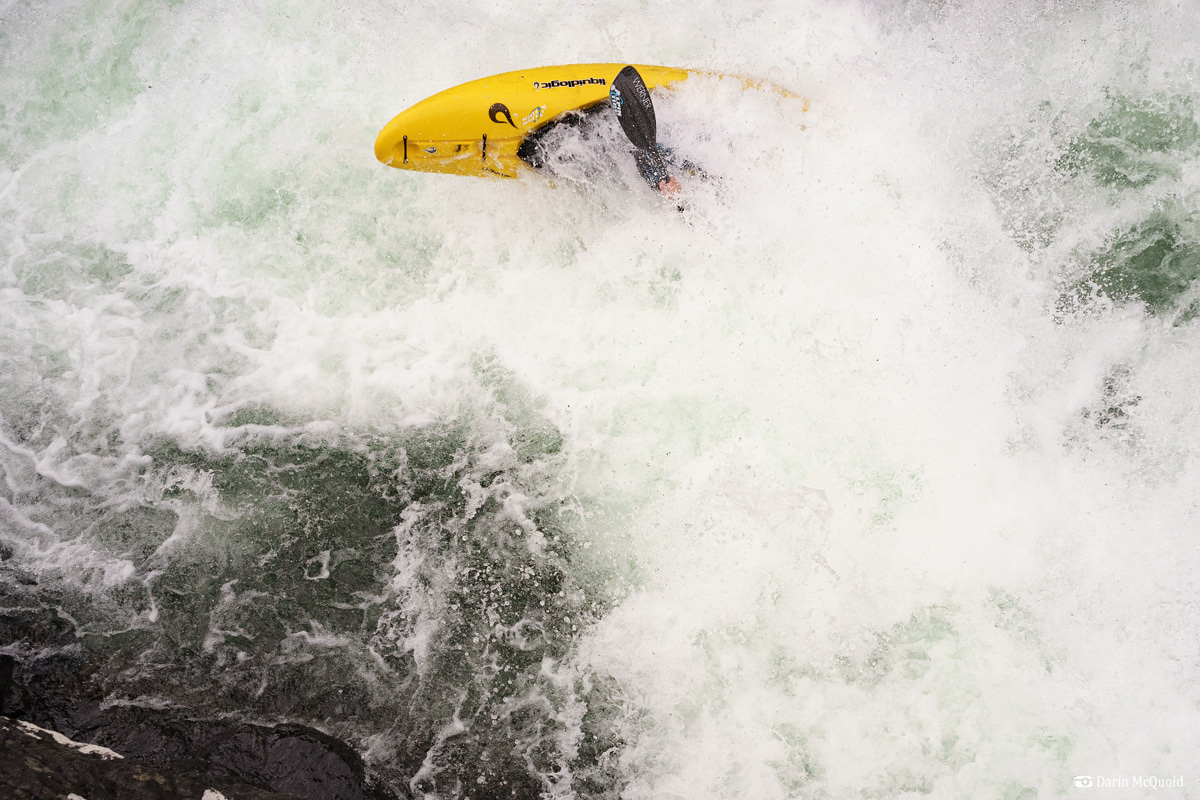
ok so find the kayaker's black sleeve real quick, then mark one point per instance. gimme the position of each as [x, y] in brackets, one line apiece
[652, 165]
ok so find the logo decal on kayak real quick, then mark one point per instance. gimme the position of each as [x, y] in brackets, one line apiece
[570, 84]
[533, 116]
[615, 100]
[501, 110]
[431, 150]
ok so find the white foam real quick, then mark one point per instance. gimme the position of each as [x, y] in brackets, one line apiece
[87, 749]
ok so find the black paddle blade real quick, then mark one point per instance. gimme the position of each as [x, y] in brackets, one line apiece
[630, 99]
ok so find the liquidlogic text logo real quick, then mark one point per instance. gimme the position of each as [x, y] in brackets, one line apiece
[569, 84]
[1127, 782]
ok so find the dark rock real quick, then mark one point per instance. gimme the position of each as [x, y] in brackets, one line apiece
[37, 766]
[53, 689]
[47, 686]
[285, 758]
[6, 673]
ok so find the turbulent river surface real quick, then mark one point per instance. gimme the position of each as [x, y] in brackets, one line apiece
[874, 473]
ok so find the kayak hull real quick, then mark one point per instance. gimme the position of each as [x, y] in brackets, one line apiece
[477, 128]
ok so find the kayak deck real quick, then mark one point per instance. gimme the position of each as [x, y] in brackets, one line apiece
[477, 128]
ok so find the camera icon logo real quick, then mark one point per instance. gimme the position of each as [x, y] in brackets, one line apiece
[1083, 781]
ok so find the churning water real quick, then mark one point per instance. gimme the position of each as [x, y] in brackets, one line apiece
[872, 474]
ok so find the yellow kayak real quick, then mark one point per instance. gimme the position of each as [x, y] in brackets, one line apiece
[477, 128]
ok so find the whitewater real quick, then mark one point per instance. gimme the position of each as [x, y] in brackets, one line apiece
[874, 473]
